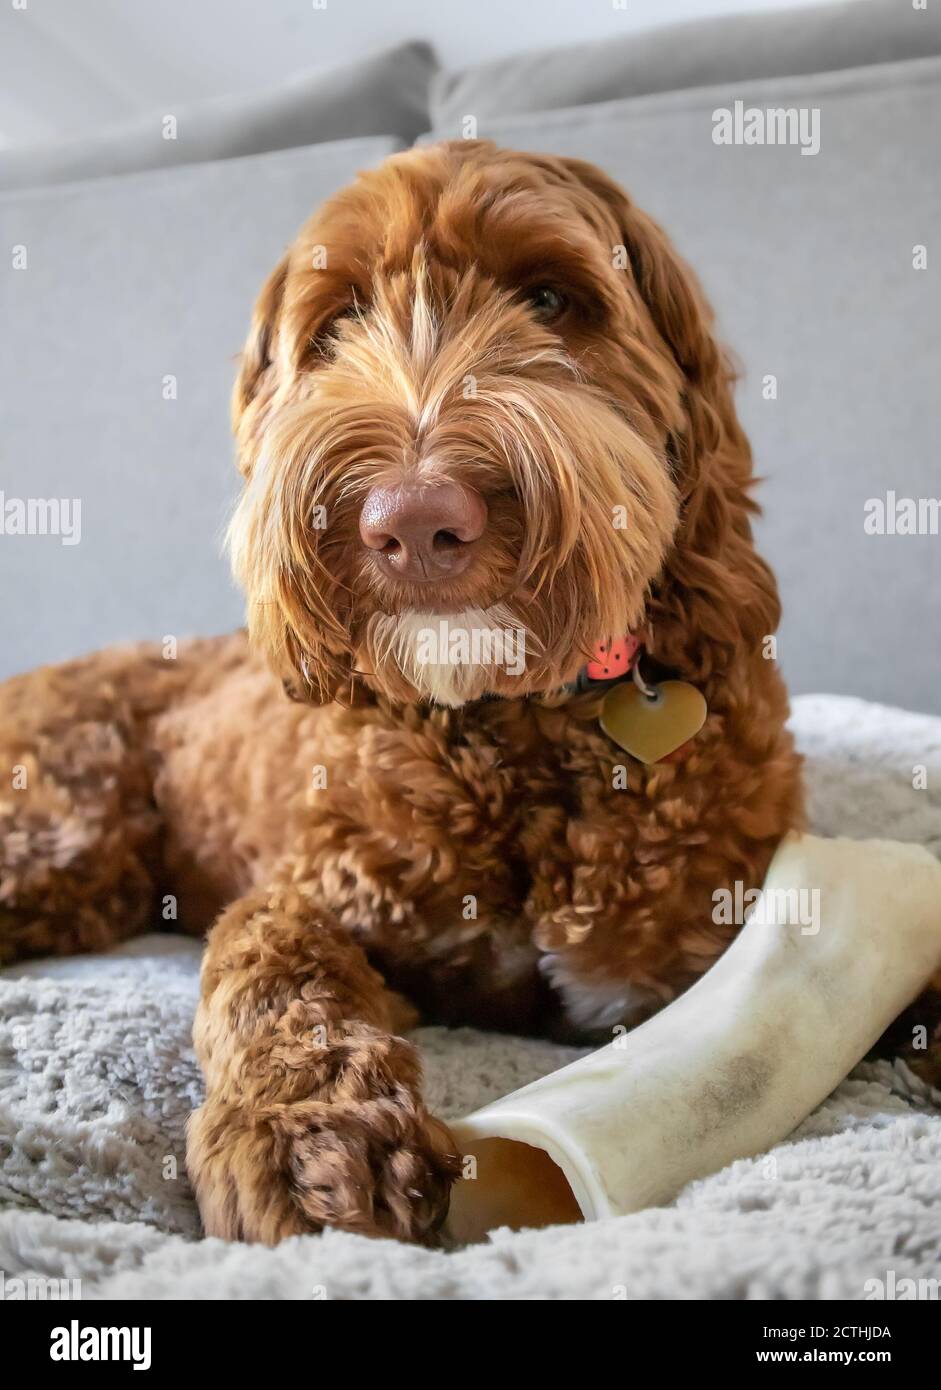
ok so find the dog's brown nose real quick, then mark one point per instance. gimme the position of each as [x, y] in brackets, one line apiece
[422, 531]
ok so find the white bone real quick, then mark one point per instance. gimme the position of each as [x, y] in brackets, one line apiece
[732, 1066]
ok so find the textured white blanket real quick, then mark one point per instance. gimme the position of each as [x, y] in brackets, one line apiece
[97, 1077]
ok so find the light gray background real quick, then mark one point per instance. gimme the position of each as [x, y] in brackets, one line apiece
[129, 280]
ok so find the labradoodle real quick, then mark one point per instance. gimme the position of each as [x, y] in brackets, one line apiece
[492, 473]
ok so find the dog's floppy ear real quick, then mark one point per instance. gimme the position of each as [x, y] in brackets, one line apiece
[256, 354]
[714, 582]
[673, 298]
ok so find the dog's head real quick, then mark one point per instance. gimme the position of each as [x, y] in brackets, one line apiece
[474, 412]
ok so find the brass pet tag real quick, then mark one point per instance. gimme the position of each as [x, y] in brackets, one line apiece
[651, 721]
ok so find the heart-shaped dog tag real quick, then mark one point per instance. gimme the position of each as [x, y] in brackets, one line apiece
[652, 727]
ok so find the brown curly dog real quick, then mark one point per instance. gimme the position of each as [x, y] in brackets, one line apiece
[468, 367]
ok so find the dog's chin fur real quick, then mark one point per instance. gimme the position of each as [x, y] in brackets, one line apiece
[395, 645]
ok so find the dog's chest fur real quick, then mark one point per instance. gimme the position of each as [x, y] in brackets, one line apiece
[468, 851]
[442, 852]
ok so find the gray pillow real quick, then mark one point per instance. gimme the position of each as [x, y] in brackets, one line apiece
[729, 48]
[809, 264]
[117, 358]
[384, 94]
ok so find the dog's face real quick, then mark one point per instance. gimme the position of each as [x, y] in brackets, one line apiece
[463, 408]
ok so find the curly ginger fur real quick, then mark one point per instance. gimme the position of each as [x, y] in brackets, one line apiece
[337, 904]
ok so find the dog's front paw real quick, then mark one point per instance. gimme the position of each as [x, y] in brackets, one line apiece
[380, 1167]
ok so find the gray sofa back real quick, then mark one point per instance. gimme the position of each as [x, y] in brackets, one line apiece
[697, 53]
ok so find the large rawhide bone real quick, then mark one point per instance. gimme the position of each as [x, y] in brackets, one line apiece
[732, 1066]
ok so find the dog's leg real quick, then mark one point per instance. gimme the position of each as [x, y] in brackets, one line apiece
[313, 1114]
[78, 828]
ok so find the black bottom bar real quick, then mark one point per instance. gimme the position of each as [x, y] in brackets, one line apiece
[346, 1340]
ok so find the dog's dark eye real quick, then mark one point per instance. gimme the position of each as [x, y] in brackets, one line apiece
[547, 303]
[324, 341]
[352, 311]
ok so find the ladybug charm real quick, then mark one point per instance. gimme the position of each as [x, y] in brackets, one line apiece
[612, 658]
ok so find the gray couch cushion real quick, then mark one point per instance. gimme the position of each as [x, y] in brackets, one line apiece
[728, 48]
[384, 94]
[809, 263]
[129, 281]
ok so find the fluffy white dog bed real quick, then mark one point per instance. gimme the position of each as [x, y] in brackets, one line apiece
[97, 1077]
